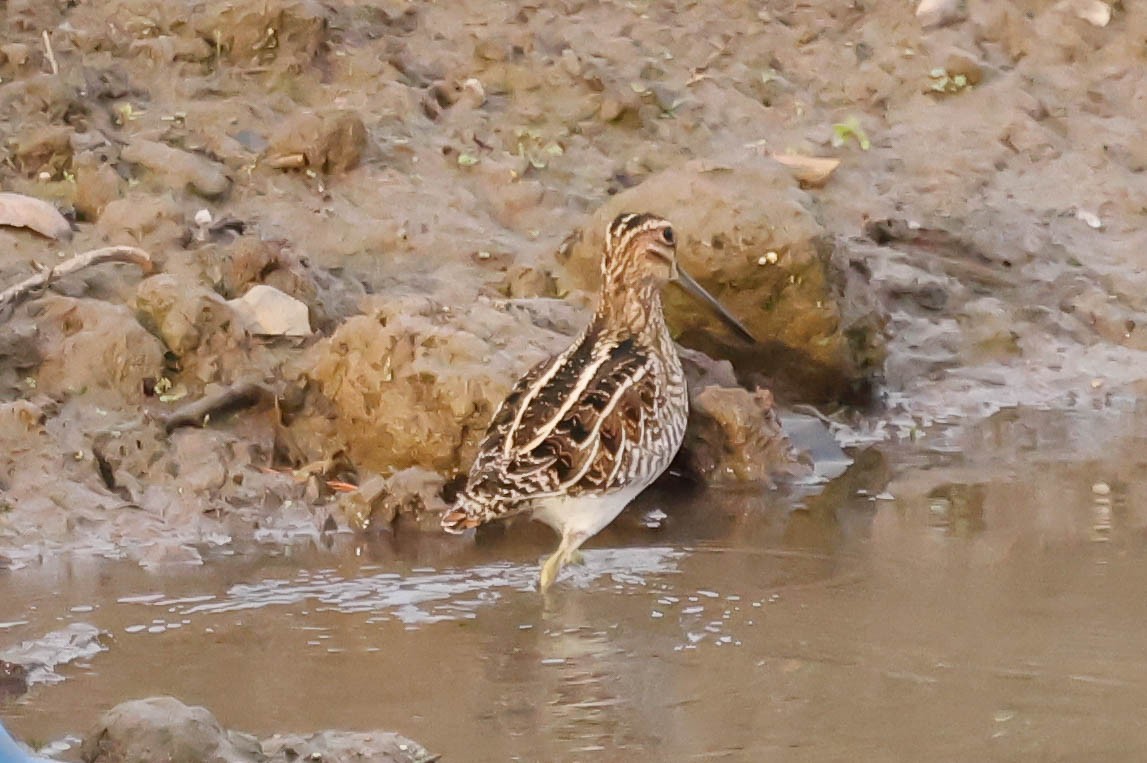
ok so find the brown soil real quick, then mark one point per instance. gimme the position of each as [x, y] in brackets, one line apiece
[412, 174]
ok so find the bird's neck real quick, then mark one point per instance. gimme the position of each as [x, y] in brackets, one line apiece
[632, 309]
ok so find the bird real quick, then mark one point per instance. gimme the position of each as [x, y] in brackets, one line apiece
[582, 433]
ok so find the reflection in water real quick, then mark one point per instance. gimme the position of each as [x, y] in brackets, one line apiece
[958, 509]
[973, 596]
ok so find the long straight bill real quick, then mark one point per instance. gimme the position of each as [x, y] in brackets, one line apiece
[696, 290]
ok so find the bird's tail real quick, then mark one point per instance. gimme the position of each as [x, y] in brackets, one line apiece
[466, 513]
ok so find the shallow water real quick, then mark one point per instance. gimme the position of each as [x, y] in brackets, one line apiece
[976, 594]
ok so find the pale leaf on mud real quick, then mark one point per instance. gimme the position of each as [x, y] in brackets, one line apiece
[809, 170]
[850, 128]
[1094, 12]
[1088, 218]
[20, 211]
[270, 312]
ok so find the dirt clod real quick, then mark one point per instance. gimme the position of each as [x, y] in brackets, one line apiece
[177, 168]
[329, 142]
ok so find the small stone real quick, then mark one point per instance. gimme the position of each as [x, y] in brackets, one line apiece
[933, 13]
[13, 680]
[270, 312]
[571, 63]
[411, 492]
[140, 216]
[1089, 218]
[89, 345]
[611, 109]
[1101, 488]
[45, 149]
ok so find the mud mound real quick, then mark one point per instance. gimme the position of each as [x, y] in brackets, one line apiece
[751, 235]
[414, 383]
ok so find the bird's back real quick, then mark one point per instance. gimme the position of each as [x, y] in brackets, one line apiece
[605, 415]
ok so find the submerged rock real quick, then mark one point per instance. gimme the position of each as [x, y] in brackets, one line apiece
[13, 680]
[165, 729]
[733, 435]
[736, 436]
[346, 747]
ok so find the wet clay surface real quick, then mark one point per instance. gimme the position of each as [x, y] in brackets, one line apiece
[966, 597]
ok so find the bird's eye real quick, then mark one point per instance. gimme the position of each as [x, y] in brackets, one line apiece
[667, 236]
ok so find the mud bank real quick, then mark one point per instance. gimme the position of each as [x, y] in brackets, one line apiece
[366, 222]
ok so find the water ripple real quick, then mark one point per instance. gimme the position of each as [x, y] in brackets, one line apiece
[430, 596]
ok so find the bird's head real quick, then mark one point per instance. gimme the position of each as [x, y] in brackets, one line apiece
[641, 251]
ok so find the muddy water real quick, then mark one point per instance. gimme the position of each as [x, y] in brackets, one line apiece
[974, 594]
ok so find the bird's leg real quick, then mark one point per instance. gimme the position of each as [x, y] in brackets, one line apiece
[573, 548]
[551, 569]
[567, 553]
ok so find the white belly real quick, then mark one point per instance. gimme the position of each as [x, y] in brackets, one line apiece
[584, 516]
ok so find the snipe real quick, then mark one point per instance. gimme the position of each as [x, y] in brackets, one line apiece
[581, 434]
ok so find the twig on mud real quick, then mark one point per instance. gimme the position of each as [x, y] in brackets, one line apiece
[13, 295]
[51, 55]
[234, 398]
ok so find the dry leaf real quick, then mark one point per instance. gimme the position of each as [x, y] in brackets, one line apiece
[809, 170]
[20, 211]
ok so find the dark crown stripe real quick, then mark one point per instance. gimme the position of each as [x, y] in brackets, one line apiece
[625, 227]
